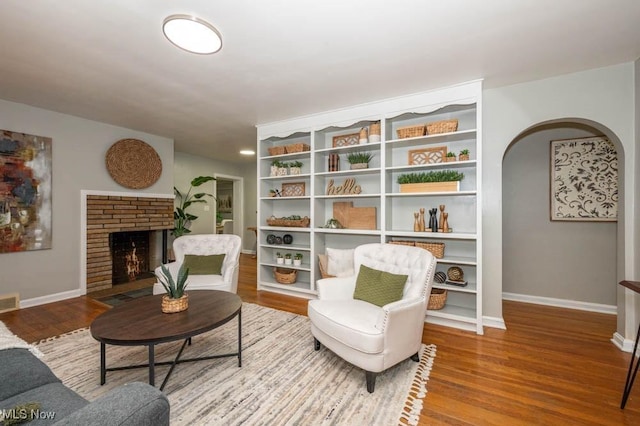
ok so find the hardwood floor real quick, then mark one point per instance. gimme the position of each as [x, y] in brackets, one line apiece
[552, 366]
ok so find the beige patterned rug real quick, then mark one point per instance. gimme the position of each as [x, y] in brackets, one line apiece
[282, 381]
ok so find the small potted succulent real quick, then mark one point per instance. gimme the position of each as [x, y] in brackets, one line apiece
[295, 167]
[176, 299]
[451, 156]
[297, 259]
[464, 155]
[359, 160]
[287, 259]
[279, 259]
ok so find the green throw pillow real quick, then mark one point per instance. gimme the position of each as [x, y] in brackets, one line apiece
[204, 265]
[378, 287]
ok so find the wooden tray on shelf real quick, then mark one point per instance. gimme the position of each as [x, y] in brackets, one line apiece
[346, 140]
[293, 223]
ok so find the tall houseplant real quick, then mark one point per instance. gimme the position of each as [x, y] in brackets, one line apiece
[180, 216]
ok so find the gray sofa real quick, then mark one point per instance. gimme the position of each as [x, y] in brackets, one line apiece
[25, 379]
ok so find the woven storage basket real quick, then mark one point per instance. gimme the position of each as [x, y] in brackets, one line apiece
[410, 131]
[171, 306]
[444, 126]
[285, 276]
[297, 147]
[403, 243]
[276, 150]
[437, 249]
[294, 223]
[322, 265]
[437, 299]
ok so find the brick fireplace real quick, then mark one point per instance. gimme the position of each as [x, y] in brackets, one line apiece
[107, 214]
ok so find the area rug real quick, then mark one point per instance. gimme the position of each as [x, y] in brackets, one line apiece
[282, 381]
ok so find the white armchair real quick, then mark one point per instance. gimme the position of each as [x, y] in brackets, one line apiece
[368, 336]
[204, 245]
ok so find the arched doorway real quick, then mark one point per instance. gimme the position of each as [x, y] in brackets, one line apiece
[568, 264]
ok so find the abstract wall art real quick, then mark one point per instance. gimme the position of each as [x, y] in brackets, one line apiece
[25, 192]
[584, 180]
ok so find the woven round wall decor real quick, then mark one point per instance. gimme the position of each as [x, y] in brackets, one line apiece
[133, 163]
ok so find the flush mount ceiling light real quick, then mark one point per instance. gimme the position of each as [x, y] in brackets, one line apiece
[247, 152]
[192, 34]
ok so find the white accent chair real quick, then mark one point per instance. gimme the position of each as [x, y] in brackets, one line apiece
[368, 336]
[227, 226]
[203, 245]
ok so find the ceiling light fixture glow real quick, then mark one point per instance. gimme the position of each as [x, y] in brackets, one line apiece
[192, 34]
[247, 152]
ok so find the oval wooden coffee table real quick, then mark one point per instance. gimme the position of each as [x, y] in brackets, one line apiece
[141, 322]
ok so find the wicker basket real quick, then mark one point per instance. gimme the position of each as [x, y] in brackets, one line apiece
[444, 126]
[403, 243]
[276, 150]
[171, 306]
[437, 249]
[437, 299]
[285, 276]
[293, 223]
[297, 147]
[322, 265]
[410, 131]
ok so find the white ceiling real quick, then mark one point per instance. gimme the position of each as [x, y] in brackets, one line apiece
[107, 60]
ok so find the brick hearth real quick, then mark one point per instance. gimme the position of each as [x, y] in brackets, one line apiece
[107, 214]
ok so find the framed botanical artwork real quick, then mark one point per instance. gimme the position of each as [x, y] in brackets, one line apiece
[25, 192]
[584, 180]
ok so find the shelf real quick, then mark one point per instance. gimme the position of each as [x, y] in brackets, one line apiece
[368, 171]
[433, 235]
[453, 312]
[286, 177]
[433, 194]
[460, 135]
[286, 247]
[469, 288]
[348, 231]
[297, 286]
[458, 260]
[350, 148]
[418, 167]
[305, 197]
[284, 229]
[348, 196]
[295, 155]
[303, 267]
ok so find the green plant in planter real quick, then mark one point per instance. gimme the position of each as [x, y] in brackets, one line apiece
[432, 176]
[278, 163]
[181, 218]
[464, 152]
[175, 289]
[451, 154]
[359, 157]
[287, 256]
[295, 164]
[298, 256]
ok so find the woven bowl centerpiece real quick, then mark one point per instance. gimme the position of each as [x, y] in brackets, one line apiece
[133, 163]
[172, 306]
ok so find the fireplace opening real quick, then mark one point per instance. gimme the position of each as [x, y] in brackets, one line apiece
[132, 256]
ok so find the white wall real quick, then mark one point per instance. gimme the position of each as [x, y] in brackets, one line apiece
[578, 258]
[79, 147]
[602, 97]
[187, 167]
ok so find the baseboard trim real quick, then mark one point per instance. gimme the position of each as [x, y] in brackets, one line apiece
[494, 322]
[245, 251]
[562, 303]
[625, 345]
[57, 297]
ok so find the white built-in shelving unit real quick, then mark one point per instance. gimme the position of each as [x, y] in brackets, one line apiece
[394, 209]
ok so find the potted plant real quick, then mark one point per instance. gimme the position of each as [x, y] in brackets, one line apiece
[272, 193]
[180, 216]
[176, 299]
[297, 259]
[295, 167]
[287, 259]
[433, 181]
[464, 155]
[359, 160]
[451, 156]
[279, 258]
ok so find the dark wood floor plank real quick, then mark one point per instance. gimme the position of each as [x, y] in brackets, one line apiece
[552, 366]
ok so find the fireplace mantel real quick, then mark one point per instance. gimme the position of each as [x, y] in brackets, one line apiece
[105, 212]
